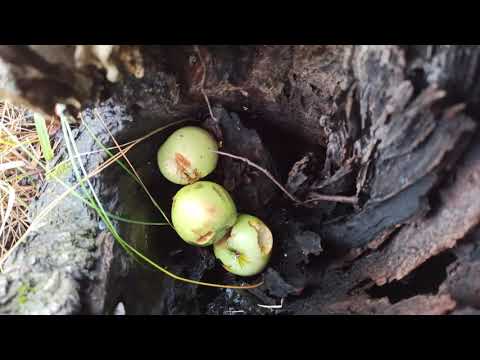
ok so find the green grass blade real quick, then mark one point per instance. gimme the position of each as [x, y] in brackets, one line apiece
[58, 170]
[139, 222]
[73, 153]
[137, 180]
[105, 149]
[43, 136]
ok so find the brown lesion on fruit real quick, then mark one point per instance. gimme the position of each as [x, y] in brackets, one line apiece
[183, 166]
[205, 238]
[264, 237]
[211, 210]
[182, 162]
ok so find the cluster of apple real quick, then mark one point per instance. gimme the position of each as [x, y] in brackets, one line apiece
[203, 212]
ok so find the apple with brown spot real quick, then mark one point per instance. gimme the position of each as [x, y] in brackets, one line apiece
[187, 155]
[247, 249]
[203, 213]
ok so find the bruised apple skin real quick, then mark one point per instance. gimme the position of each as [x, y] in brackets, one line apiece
[247, 249]
[203, 213]
[187, 155]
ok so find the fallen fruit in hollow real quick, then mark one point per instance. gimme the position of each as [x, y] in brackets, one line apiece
[187, 155]
[247, 249]
[202, 213]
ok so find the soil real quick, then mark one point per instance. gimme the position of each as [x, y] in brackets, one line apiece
[390, 130]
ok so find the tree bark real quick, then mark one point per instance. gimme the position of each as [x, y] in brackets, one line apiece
[392, 126]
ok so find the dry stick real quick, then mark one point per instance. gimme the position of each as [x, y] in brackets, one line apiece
[334, 198]
[319, 197]
[204, 75]
[202, 83]
[208, 105]
[262, 170]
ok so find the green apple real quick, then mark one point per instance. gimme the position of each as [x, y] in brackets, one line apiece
[203, 213]
[187, 155]
[247, 249]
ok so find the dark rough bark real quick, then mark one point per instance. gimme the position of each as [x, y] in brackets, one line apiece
[463, 281]
[40, 76]
[425, 305]
[456, 216]
[40, 79]
[451, 221]
[390, 125]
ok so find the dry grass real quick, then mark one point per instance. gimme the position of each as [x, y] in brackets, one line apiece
[19, 175]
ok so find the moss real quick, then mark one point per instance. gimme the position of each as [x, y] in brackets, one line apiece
[23, 291]
[59, 170]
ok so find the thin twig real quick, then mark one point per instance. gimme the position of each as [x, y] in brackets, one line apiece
[272, 307]
[202, 82]
[208, 105]
[233, 312]
[333, 198]
[267, 174]
[318, 197]
[200, 57]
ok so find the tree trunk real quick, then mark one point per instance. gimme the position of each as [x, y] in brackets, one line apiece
[390, 130]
